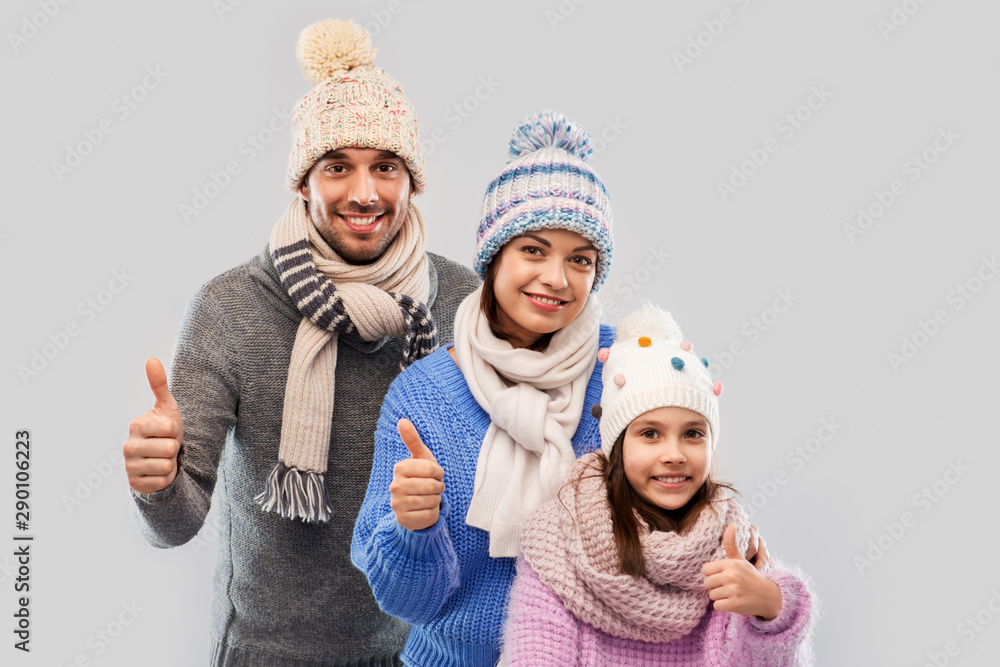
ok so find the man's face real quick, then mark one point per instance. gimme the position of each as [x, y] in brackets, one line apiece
[358, 198]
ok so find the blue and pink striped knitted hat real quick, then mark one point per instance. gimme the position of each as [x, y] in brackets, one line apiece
[547, 184]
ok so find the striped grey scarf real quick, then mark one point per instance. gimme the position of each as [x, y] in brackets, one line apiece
[385, 298]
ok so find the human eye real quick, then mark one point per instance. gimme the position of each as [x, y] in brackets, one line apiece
[532, 250]
[694, 434]
[384, 168]
[335, 168]
[650, 434]
[582, 261]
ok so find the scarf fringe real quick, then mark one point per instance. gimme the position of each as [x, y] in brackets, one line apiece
[295, 494]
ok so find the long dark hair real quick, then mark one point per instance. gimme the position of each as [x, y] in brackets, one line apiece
[628, 508]
[491, 307]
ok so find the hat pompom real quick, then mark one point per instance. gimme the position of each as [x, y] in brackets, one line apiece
[549, 128]
[648, 321]
[332, 46]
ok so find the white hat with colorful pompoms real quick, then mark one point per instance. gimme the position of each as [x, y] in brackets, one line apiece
[651, 366]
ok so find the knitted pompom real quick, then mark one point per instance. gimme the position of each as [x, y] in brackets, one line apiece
[549, 128]
[649, 321]
[332, 46]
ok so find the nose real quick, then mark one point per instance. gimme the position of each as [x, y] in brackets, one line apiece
[361, 188]
[671, 452]
[554, 274]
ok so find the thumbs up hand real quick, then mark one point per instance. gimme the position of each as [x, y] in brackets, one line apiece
[154, 437]
[737, 586]
[416, 488]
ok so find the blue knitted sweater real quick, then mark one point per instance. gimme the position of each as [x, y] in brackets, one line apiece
[442, 579]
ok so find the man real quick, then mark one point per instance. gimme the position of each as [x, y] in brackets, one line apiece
[285, 360]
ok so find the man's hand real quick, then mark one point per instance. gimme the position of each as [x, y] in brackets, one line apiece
[415, 492]
[154, 439]
[739, 587]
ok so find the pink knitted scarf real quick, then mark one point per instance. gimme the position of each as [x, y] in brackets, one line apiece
[570, 544]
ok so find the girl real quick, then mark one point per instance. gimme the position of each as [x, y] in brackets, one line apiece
[499, 419]
[639, 558]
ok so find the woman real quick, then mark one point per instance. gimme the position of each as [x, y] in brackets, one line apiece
[474, 438]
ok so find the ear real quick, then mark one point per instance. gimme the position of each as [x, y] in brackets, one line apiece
[304, 188]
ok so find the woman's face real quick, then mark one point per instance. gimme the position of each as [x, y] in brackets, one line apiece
[667, 454]
[542, 282]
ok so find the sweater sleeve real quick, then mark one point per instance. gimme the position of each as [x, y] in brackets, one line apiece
[539, 629]
[781, 642]
[412, 573]
[204, 382]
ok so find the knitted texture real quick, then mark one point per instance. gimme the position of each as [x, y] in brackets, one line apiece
[534, 400]
[546, 185]
[384, 298]
[354, 104]
[284, 593]
[540, 632]
[442, 579]
[651, 366]
[570, 544]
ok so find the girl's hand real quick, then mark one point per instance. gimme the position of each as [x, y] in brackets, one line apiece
[739, 587]
[416, 488]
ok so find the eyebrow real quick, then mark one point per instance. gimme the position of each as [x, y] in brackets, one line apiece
[340, 155]
[589, 246]
[649, 423]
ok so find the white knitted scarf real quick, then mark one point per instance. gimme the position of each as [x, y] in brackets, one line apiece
[384, 298]
[570, 545]
[535, 400]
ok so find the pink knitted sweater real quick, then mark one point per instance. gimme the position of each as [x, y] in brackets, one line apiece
[570, 605]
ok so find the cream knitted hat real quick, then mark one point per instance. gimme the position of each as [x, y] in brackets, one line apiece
[355, 104]
[651, 366]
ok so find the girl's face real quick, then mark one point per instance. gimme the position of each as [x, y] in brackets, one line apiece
[667, 454]
[542, 282]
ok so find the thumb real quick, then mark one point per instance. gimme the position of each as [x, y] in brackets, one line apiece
[158, 384]
[729, 541]
[408, 432]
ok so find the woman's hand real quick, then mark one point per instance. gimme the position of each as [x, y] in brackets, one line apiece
[737, 586]
[757, 551]
[416, 488]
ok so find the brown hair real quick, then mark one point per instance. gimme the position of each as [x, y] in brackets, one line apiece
[626, 504]
[491, 307]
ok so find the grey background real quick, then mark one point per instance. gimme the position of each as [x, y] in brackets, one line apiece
[670, 134]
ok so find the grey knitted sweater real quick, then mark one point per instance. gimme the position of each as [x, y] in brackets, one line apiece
[285, 592]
